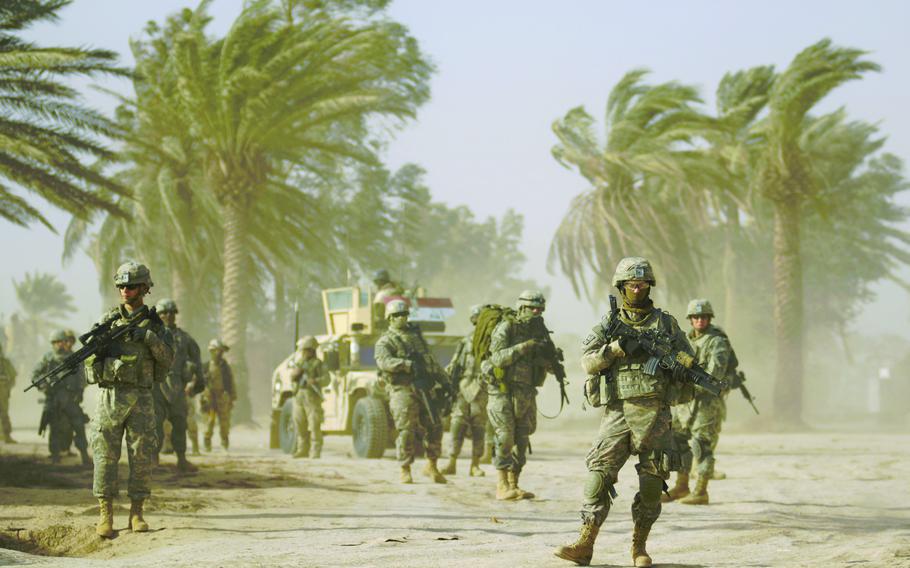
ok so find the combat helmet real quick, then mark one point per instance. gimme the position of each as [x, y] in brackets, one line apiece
[166, 306]
[307, 342]
[60, 335]
[699, 307]
[218, 345]
[633, 268]
[396, 307]
[381, 276]
[131, 272]
[532, 299]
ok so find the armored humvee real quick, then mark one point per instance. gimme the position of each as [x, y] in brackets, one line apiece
[355, 401]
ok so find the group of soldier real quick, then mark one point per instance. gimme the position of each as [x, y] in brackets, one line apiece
[650, 411]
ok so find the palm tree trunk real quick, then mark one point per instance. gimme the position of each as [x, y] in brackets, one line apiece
[180, 293]
[234, 301]
[788, 314]
[729, 267]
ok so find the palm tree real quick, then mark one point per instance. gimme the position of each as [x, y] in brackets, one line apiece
[787, 182]
[647, 180]
[279, 95]
[45, 133]
[42, 299]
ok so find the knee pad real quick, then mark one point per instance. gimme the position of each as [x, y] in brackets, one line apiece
[598, 488]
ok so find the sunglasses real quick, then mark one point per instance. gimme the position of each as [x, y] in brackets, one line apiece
[636, 285]
[127, 286]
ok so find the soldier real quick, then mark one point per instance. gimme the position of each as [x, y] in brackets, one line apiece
[310, 377]
[470, 409]
[220, 395]
[636, 416]
[699, 421]
[404, 359]
[386, 289]
[516, 348]
[126, 373]
[183, 379]
[7, 381]
[62, 413]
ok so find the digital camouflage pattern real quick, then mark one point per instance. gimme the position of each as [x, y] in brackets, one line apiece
[700, 421]
[7, 381]
[512, 406]
[125, 406]
[396, 352]
[63, 402]
[171, 401]
[469, 413]
[310, 378]
[637, 417]
[218, 400]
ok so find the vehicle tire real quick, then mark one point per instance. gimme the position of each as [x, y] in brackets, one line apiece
[369, 427]
[287, 431]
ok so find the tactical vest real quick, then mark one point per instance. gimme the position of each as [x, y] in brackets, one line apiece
[404, 345]
[630, 378]
[526, 370]
[698, 345]
[128, 363]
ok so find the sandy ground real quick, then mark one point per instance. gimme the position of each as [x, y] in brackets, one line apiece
[817, 499]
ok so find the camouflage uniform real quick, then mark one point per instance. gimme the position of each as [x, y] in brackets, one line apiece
[171, 401]
[386, 290]
[636, 420]
[63, 403]
[469, 413]
[399, 352]
[219, 398]
[7, 381]
[127, 374]
[310, 377]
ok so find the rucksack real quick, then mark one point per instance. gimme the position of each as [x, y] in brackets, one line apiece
[490, 316]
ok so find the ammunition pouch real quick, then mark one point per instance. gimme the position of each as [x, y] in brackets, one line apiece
[633, 381]
[94, 370]
[600, 390]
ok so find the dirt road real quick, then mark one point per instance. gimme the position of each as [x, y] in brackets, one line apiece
[789, 500]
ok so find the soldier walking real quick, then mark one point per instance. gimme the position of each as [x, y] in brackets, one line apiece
[310, 377]
[126, 373]
[7, 382]
[219, 396]
[469, 413]
[517, 348]
[183, 380]
[62, 414]
[698, 422]
[636, 416]
[416, 382]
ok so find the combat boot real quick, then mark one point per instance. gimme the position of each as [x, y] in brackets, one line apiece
[680, 490]
[302, 449]
[184, 466]
[432, 472]
[513, 485]
[55, 458]
[487, 456]
[451, 467]
[717, 475]
[700, 495]
[503, 491]
[105, 526]
[195, 441]
[86, 459]
[580, 551]
[225, 444]
[640, 558]
[137, 523]
[405, 475]
[475, 468]
[8, 439]
[317, 451]
[208, 443]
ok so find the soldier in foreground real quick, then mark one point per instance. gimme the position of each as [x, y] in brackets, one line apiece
[183, 379]
[62, 414]
[310, 377]
[126, 374]
[521, 354]
[469, 413]
[219, 396]
[699, 422]
[7, 382]
[636, 418]
[415, 380]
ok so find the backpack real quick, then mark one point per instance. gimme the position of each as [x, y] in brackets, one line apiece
[490, 316]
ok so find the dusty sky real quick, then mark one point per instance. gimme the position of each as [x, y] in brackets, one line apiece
[506, 70]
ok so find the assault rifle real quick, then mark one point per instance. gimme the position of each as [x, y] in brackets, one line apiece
[554, 357]
[663, 354]
[425, 383]
[94, 342]
[740, 383]
[304, 382]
